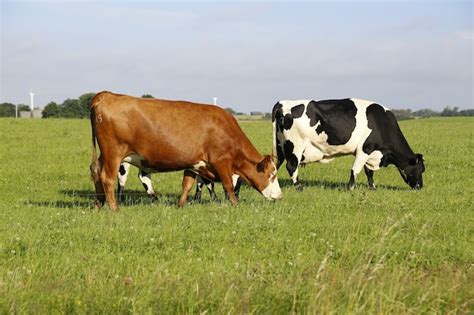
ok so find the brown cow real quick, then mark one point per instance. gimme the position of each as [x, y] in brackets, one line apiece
[160, 135]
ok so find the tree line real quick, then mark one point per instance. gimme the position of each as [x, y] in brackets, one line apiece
[403, 114]
[79, 108]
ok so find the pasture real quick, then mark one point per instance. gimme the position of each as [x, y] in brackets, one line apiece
[324, 250]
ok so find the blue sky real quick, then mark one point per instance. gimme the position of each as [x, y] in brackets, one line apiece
[403, 54]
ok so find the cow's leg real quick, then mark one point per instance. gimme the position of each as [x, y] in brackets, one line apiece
[199, 184]
[224, 171]
[188, 181]
[210, 187]
[145, 178]
[359, 163]
[370, 177]
[96, 169]
[293, 154]
[122, 179]
[237, 182]
[107, 176]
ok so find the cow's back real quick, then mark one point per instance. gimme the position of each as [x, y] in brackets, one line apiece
[326, 128]
[168, 134]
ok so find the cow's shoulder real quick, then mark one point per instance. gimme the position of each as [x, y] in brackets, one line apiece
[295, 108]
[289, 110]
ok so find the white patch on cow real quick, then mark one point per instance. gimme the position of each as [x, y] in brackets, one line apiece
[122, 179]
[287, 105]
[136, 160]
[235, 178]
[133, 159]
[147, 181]
[373, 162]
[359, 162]
[365, 103]
[312, 154]
[273, 190]
[198, 165]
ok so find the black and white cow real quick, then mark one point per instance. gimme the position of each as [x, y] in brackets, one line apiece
[145, 178]
[306, 131]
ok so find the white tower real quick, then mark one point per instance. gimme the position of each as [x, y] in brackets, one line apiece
[32, 104]
[32, 101]
[215, 100]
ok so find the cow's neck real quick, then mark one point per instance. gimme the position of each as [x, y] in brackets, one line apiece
[400, 154]
[248, 171]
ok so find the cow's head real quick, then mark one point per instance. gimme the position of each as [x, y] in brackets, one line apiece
[269, 186]
[412, 172]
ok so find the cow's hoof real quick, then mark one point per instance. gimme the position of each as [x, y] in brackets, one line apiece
[351, 187]
[299, 188]
[372, 187]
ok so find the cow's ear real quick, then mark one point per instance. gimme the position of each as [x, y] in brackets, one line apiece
[416, 160]
[262, 165]
[419, 158]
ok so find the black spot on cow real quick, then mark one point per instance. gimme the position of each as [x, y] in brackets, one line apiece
[280, 154]
[277, 111]
[287, 121]
[386, 135]
[378, 120]
[337, 119]
[145, 186]
[297, 111]
[122, 170]
[291, 159]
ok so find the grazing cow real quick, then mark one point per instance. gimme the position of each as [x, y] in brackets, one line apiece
[307, 131]
[147, 184]
[160, 135]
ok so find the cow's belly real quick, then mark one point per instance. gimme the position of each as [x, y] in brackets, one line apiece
[311, 154]
[200, 167]
[317, 144]
[140, 162]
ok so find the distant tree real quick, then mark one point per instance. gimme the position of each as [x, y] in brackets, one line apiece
[426, 112]
[147, 96]
[84, 101]
[467, 112]
[23, 108]
[230, 110]
[7, 110]
[51, 110]
[267, 116]
[71, 108]
[402, 114]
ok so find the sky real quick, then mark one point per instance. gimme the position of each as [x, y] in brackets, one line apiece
[249, 54]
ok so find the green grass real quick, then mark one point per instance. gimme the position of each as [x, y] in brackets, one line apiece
[325, 250]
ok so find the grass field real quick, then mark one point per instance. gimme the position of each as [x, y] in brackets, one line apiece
[324, 250]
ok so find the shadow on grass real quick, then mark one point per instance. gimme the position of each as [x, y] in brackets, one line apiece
[326, 184]
[86, 199]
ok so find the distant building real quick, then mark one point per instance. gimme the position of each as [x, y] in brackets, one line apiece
[37, 113]
[256, 114]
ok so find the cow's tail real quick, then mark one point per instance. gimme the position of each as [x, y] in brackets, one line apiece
[276, 152]
[95, 164]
